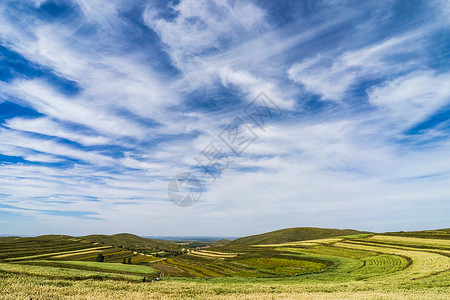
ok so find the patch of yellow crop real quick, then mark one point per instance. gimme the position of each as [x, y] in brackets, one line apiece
[214, 254]
[398, 246]
[76, 253]
[410, 241]
[204, 256]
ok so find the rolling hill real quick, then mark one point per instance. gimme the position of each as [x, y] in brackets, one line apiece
[131, 241]
[292, 235]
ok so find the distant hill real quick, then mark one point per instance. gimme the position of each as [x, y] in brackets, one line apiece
[220, 242]
[292, 235]
[443, 234]
[131, 241]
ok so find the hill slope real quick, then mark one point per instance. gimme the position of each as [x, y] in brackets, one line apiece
[131, 241]
[220, 242]
[292, 235]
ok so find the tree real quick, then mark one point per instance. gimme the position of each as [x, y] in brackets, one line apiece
[124, 261]
[100, 257]
[129, 260]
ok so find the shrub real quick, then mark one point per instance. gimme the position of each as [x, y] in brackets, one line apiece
[100, 257]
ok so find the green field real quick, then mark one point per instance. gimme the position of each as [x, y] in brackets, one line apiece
[357, 266]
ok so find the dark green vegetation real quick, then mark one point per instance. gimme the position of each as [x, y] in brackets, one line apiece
[293, 235]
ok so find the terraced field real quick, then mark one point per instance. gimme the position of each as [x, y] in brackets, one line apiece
[423, 262]
[52, 250]
[381, 262]
[359, 266]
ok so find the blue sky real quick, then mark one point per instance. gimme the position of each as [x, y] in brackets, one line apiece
[103, 102]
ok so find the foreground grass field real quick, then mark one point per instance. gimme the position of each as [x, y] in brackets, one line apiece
[361, 266]
[22, 286]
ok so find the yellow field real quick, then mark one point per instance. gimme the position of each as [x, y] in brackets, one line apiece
[410, 241]
[213, 254]
[76, 253]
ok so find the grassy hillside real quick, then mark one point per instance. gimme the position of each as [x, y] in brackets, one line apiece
[351, 266]
[131, 241]
[292, 235]
[220, 242]
[427, 234]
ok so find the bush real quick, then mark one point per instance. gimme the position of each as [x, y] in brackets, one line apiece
[100, 257]
[129, 261]
[124, 261]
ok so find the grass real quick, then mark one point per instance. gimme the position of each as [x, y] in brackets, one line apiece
[29, 286]
[196, 270]
[97, 266]
[340, 270]
[381, 265]
[61, 273]
[335, 251]
[356, 266]
[283, 267]
[423, 264]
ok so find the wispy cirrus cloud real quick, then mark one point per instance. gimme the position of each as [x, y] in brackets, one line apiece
[103, 102]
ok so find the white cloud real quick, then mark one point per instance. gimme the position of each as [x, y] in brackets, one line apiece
[253, 86]
[27, 154]
[333, 77]
[412, 98]
[108, 80]
[202, 26]
[44, 125]
[48, 146]
[44, 99]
